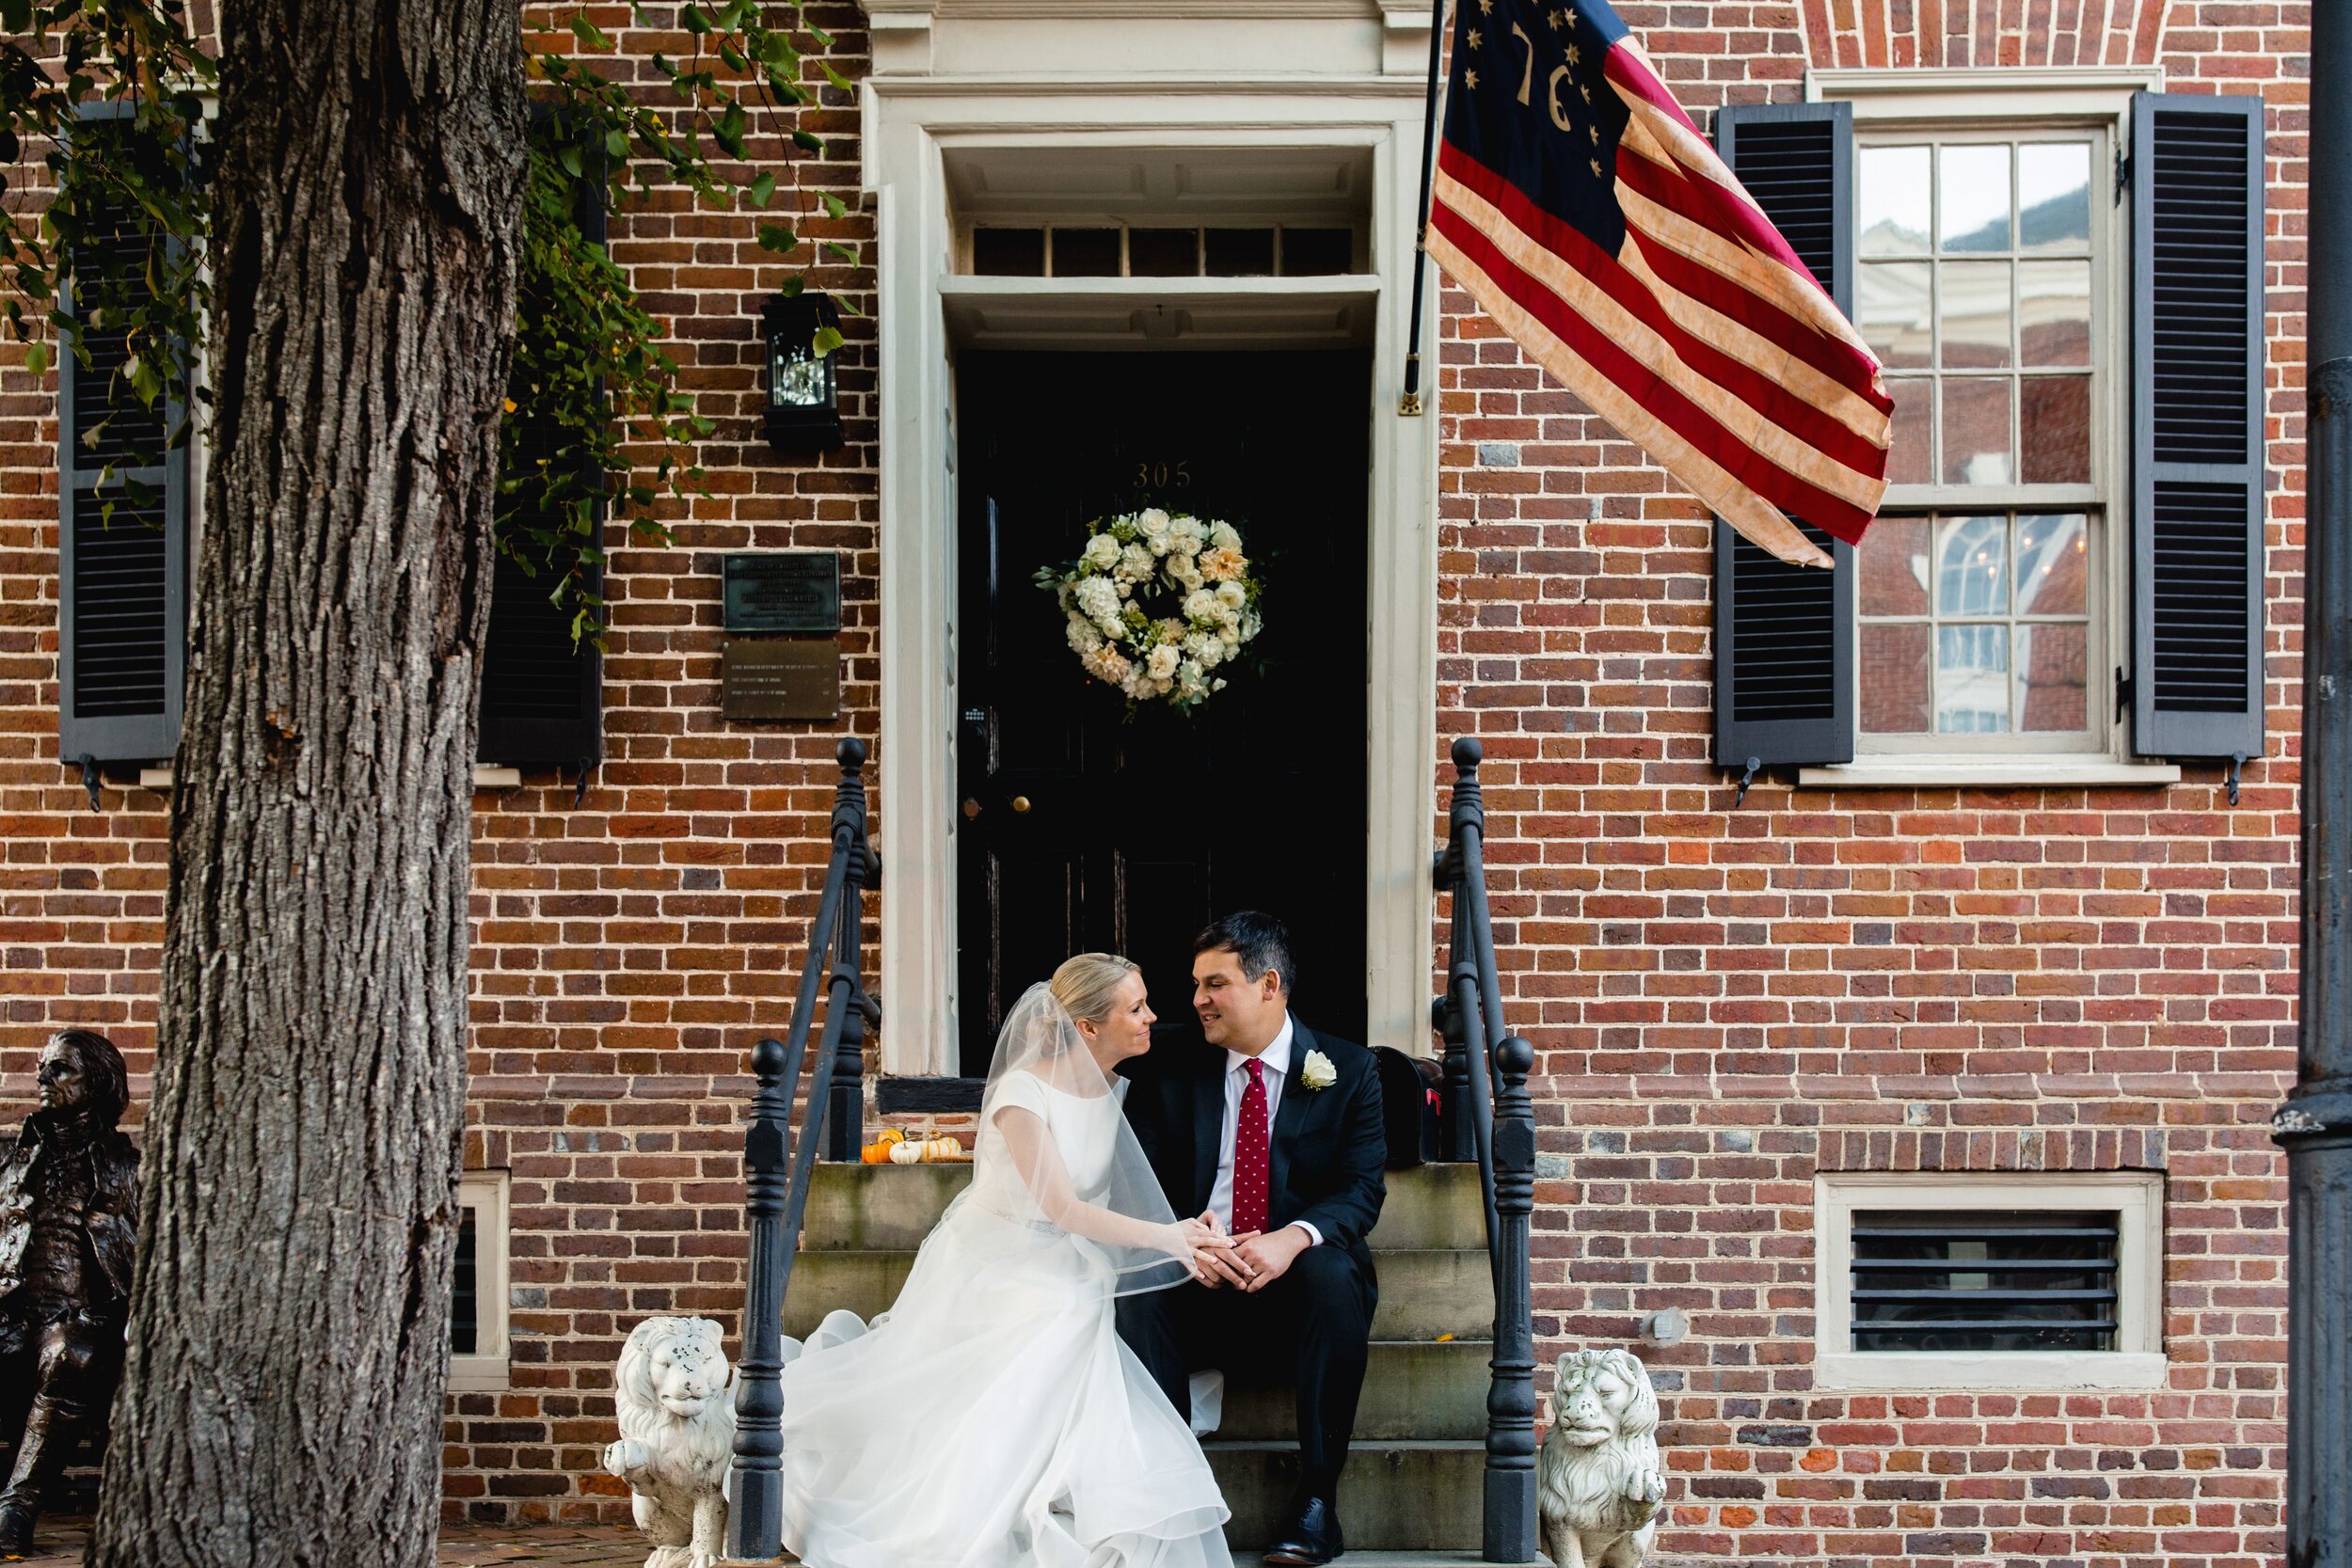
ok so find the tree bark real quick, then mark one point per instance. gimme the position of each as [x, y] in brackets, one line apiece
[289, 1340]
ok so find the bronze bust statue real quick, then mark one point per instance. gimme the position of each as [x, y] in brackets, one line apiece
[68, 1202]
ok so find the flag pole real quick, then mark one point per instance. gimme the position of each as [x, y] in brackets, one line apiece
[1409, 403]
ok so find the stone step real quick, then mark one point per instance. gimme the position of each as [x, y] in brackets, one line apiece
[1393, 1497]
[1405, 1560]
[1412, 1390]
[1423, 1294]
[892, 1208]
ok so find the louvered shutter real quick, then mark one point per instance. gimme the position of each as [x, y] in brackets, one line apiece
[122, 572]
[542, 697]
[2197, 452]
[1784, 635]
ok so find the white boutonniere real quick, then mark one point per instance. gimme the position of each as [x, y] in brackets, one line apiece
[1317, 1072]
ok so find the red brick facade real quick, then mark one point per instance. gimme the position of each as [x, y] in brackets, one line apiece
[1723, 1003]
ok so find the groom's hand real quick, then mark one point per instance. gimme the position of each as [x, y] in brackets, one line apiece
[1265, 1258]
[1220, 1267]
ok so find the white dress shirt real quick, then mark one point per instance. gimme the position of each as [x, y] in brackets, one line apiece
[1276, 1058]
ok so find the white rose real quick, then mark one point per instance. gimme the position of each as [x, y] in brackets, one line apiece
[1251, 624]
[1101, 552]
[1201, 605]
[1163, 660]
[1317, 1072]
[1224, 537]
[1184, 535]
[1232, 595]
[1185, 569]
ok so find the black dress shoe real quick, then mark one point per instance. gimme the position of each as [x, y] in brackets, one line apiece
[1310, 1539]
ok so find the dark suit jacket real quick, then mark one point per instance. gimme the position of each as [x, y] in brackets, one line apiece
[1326, 1151]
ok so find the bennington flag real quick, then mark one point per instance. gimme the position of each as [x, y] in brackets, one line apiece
[1583, 210]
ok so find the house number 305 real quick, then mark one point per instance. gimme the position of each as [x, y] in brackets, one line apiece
[1163, 475]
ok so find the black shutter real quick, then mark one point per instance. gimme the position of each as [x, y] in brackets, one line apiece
[2197, 425]
[122, 567]
[542, 696]
[1784, 635]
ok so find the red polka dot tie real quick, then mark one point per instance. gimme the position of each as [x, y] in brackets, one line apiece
[1249, 1148]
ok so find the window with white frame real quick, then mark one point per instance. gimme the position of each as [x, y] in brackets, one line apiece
[1980, 1280]
[1983, 258]
[478, 1359]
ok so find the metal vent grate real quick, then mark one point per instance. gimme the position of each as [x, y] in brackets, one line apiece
[1789, 167]
[1782, 632]
[120, 661]
[1984, 1280]
[2199, 571]
[2199, 278]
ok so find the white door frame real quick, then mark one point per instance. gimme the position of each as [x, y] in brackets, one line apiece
[907, 122]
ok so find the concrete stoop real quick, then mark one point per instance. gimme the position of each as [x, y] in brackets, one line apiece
[1411, 1494]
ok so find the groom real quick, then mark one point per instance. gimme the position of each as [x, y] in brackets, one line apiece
[1277, 1131]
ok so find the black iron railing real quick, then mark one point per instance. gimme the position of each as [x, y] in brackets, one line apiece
[1491, 1120]
[777, 1164]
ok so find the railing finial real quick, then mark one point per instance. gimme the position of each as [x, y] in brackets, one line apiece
[850, 754]
[1468, 754]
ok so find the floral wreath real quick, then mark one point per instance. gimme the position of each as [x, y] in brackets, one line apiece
[1156, 602]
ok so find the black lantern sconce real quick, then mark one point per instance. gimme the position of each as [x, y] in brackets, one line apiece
[803, 404]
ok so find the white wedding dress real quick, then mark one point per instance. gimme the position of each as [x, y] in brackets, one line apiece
[993, 1418]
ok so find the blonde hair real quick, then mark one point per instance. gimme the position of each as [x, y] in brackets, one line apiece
[1086, 986]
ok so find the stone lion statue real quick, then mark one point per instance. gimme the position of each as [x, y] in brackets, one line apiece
[673, 1396]
[1597, 1479]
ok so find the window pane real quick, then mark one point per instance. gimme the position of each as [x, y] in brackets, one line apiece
[2054, 195]
[1910, 460]
[1976, 315]
[2054, 311]
[1893, 560]
[1241, 252]
[1897, 312]
[2055, 428]
[1086, 253]
[1163, 252]
[1893, 677]
[1976, 432]
[1316, 252]
[1971, 565]
[1893, 194]
[1009, 253]
[1972, 186]
[2053, 564]
[1972, 679]
[2051, 695]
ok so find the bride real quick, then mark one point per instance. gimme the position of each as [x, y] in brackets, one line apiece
[993, 1417]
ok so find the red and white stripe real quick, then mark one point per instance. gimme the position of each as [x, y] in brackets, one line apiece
[1704, 339]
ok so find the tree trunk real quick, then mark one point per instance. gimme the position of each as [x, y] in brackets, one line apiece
[290, 1337]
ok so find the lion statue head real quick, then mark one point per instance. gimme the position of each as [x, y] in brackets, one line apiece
[673, 1392]
[1598, 1479]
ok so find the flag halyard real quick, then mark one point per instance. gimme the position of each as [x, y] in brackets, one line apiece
[1576, 202]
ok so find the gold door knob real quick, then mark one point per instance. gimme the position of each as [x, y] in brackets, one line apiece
[1020, 803]
[971, 808]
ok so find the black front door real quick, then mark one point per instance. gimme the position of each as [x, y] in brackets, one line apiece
[1085, 827]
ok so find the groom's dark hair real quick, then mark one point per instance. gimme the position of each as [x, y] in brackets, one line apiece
[1260, 942]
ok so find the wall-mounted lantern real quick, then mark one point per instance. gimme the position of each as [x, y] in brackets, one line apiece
[803, 405]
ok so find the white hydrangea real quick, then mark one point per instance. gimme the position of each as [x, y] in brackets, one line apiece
[1205, 648]
[1224, 536]
[1101, 552]
[1099, 598]
[1201, 605]
[1135, 563]
[1249, 624]
[1232, 595]
[1083, 639]
[1161, 661]
[1107, 663]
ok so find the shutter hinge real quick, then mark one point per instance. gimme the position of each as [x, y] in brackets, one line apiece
[2123, 173]
[2122, 693]
[2238, 761]
[90, 780]
[587, 765]
[1746, 778]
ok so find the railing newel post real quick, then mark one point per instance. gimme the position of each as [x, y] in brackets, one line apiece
[756, 1511]
[845, 1119]
[1510, 1500]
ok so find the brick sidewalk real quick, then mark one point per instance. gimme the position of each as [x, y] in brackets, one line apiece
[60, 1542]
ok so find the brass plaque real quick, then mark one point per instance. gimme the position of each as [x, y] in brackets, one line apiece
[783, 590]
[780, 680]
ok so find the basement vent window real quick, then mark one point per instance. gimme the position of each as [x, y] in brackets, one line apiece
[478, 1295]
[1982, 1280]
[1157, 251]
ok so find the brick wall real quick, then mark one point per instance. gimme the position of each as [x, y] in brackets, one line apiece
[1726, 1002]
[1723, 1003]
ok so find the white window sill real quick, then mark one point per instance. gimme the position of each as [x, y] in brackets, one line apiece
[1907, 1370]
[479, 1374]
[484, 777]
[1981, 773]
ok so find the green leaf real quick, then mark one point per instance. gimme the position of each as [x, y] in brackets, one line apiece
[572, 163]
[762, 189]
[807, 140]
[777, 237]
[37, 356]
[616, 144]
[589, 33]
[835, 206]
[827, 339]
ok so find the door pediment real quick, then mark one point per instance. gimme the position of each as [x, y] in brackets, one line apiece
[1125, 39]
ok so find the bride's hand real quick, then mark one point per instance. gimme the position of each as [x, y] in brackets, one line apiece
[1202, 1245]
